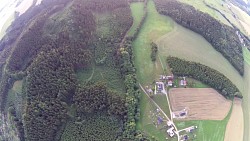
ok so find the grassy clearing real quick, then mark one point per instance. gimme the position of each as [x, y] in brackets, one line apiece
[155, 26]
[137, 13]
[101, 73]
[15, 98]
[192, 83]
[193, 47]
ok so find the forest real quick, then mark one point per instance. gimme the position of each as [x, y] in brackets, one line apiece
[204, 74]
[221, 36]
[49, 52]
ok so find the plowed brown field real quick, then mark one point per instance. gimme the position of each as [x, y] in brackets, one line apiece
[202, 103]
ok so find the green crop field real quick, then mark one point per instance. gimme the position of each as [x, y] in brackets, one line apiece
[193, 47]
[137, 13]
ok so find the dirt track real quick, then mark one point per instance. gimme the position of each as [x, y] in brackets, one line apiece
[202, 103]
[235, 125]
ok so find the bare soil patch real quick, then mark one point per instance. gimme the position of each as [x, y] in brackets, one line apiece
[235, 125]
[202, 103]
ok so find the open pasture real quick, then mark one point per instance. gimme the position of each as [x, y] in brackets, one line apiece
[190, 46]
[202, 104]
[137, 13]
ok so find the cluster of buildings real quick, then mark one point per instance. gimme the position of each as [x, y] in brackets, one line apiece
[171, 131]
[168, 81]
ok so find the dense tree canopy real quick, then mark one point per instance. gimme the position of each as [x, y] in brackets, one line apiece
[204, 74]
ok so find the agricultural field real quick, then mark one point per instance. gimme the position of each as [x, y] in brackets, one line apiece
[193, 47]
[208, 130]
[235, 125]
[246, 92]
[137, 13]
[201, 104]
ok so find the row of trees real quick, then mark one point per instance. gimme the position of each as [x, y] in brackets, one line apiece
[221, 36]
[204, 74]
[154, 50]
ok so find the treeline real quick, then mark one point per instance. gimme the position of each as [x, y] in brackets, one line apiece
[222, 37]
[104, 5]
[128, 72]
[154, 50]
[145, 13]
[204, 74]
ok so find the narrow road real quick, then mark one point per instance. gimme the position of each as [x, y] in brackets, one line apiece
[177, 132]
[171, 116]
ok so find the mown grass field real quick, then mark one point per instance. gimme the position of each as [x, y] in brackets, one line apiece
[137, 13]
[193, 47]
[154, 26]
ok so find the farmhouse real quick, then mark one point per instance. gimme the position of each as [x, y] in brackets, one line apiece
[170, 83]
[183, 82]
[170, 131]
[159, 88]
